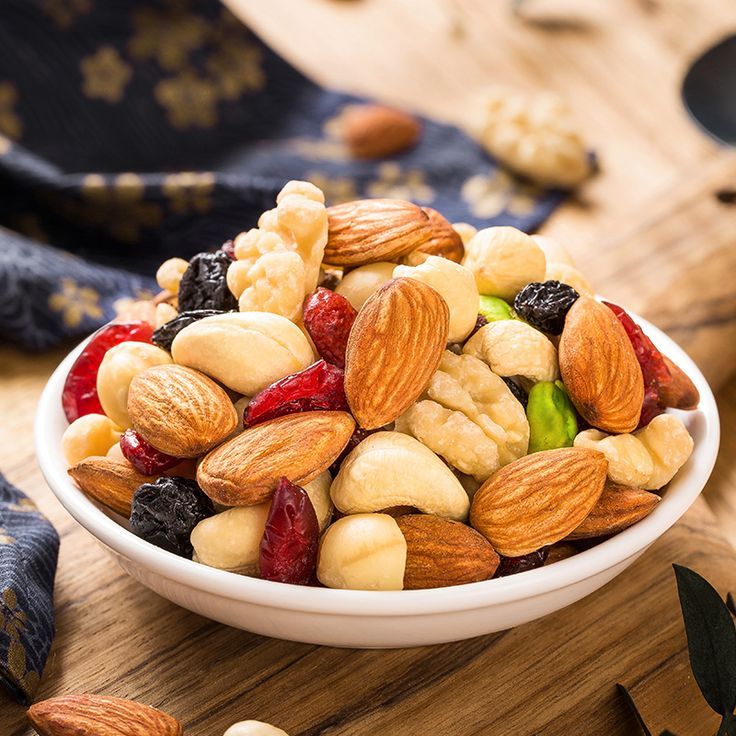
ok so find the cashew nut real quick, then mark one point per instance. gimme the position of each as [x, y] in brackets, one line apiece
[503, 261]
[246, 351]
[455, 284]
[277, 285]
[92, 434]
[357, 285]
[629, 462]
[374, 476]
[514, 348]
[363, 552]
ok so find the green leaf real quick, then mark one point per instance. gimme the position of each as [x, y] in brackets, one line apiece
[711, 639]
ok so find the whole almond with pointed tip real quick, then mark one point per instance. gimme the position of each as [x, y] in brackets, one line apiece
[180, 411]
[108, 480]
[100, 715]
[375, 131]
[372, 230]
[538, 499]
[440, 552]
[599, 368]
[617, 509]
[246, 470]
[395, 346]
[680, 392]
[445, 242]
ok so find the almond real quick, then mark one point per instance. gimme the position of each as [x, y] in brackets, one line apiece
[100, 715]
[180, 411]
[599, 368]
[245, 470]
[445, 242]
[538, 499]
[440, 552]
[375, 131]
[680, 392]
[372, 230]
[617, 509]
[108, 480]
[395, 346]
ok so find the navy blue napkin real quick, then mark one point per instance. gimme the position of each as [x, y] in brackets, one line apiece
[130, 132]
[29, 546]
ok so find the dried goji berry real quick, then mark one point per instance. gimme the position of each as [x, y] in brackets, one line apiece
[329, 317]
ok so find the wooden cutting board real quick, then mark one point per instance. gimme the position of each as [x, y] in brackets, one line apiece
[650, 233]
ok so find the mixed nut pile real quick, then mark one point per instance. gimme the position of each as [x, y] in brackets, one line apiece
[365, 396]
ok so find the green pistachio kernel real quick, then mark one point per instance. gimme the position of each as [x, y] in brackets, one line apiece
[494, 309]
[551, 415]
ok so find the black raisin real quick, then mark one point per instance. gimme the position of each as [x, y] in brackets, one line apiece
[512, 565]
[545, 304]
[518, 392]
[164, 335]
[166, 511]
[204, 284]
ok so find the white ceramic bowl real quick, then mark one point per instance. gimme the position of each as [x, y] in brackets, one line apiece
[348, 618]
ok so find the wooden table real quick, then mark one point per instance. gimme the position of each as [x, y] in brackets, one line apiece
[648, 231]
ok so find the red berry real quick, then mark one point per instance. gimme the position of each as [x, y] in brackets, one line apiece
[359, 434]
[319, 387]
[145, 458]
[653, 368]
[329, 317]
[79, 396]
[288, 551]
[514, 565]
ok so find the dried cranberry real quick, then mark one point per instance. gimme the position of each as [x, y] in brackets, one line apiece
[79, 396]
[228, 247]
[653, 367]
[288, 552]
[329, 317]
[512, 565]
[319, 387]
[359, 434]
[145, 458]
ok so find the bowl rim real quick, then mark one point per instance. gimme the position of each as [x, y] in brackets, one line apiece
[680, 495]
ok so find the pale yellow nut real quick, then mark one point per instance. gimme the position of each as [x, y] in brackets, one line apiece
[164, 313]
[118, 368]
[254, 728]
[251, 245]
[357, 285]
[455, 284]
[553, 250]
[115, 452]
[629, 461]
[170, 272]
[569, 275]
[669, 445]
[514, 348]
[393, 469]
[503, 261]
[92, 434]
[465, 230]
[277, 284]
[363, 552]
[238, 279]
[245, 351]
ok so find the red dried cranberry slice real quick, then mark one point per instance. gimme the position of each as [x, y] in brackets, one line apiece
[319, 387]
[145, 458]
[79, 396]
[288, 552]
[329, 317]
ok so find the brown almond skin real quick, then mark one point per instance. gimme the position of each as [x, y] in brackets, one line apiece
[445, 242]
[618, 508]
[100, 715]
[246, 470]
[599, 368]
[108, 480]
[680, 392]
[440, 552]
[375, 131]
[538, 499]
[394, 348]
[371, 230]
[179, 410]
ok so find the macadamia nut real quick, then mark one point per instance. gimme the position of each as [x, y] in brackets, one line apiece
[246, 351]
[92, 434]
[170, 272]
[363, 552]
[357, 285]
[118, 368]
[514, 348]
[503, 261]
[374, 476]
[254, 728]
[455, 284]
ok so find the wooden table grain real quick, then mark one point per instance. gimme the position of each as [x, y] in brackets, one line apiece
[648, 230]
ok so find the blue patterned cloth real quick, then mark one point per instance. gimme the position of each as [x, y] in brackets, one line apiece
[130, 132]
[29, 546]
